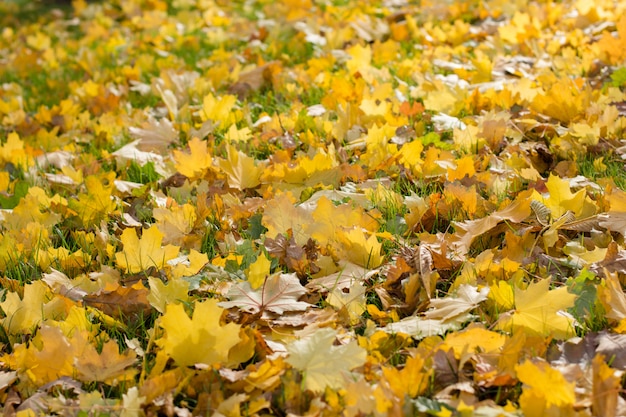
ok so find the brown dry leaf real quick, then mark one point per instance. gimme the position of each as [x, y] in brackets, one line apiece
[254, 80]
[129, 303]
[470, 230]
[296, 258]
[606, 388]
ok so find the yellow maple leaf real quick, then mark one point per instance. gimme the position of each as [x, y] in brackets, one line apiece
[322, 363]
[606, 387]
[162, 294]
[241, 170]
[464, 167]
[176, 222]
[356, 246]
[540, 312]
[560, 199]
[563, 101]
[49, 356]
[545, 390]
[194, 263]
[258, 271]
[330, 220]
[77, 320]
[475, 339]
[410, 155]
[62, 258]
[97, 204]
[411, 380]
[23, 314]
[109, 366]
[200, 339]
[612, 297]
[360, 58]
[219, 109]
[281, 214]
[197, 162]
[141, 254]
[238, 135]
[502, 295]
[13, 151]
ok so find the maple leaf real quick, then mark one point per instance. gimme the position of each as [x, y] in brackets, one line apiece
[278, 294]
[176, 222]
[295, 258]
[362, 250]
[197, 162]
[352, 303]
[331, 220]
[141, 254]
[22, 315]
[561, 199]
[322, 363]
[219, 109]
[540, 312]
[131, 403]
[130, 152]
[411, 380]
[129, 302]
[545, 391]
[241, 170]
[188, 265]
[470, 230]
[419, 327]
[108, 366]
[359, 398]
[48, 357]
[258, 271]
[155, 135]
[98, 203]
[200, 339]
[612, 297]
[457, 308]
[606, 387]
[13, 151]
[254, 80]
[162, 295]
[281, 214]
[615, 221]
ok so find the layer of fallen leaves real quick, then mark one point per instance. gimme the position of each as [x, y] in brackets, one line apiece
[312, 208]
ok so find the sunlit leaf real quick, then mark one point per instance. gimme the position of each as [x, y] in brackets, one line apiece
[322, 363]
[142, 253]
[200, 339]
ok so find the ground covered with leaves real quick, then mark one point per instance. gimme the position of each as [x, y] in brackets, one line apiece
[332, 207]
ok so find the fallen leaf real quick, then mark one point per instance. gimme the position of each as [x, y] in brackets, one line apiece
[139, 254]
[241, 170]
[130, 303]
[322, 363]
[108, 366]
[541, 312]
[200, 339]
[545, 389]
[278, 294]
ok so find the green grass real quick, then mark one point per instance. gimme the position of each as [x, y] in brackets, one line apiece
[603, 166]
